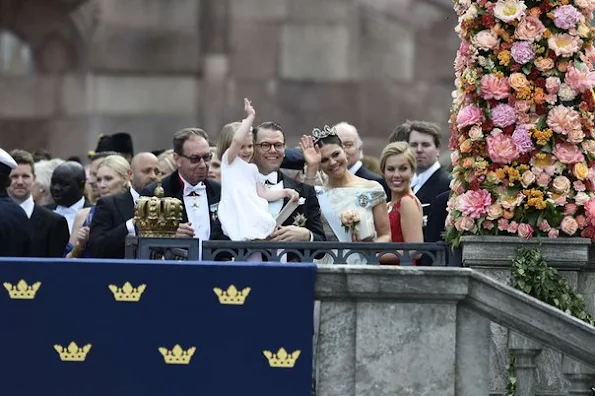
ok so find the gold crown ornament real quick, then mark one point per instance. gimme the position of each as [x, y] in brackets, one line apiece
[158, 217]
[72, 353]
[177, 355]
[22, 291]
[127, 293]
[282, 359]
[232, 296]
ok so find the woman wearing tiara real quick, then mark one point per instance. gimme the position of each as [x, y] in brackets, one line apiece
[243, 209]
[354, 209]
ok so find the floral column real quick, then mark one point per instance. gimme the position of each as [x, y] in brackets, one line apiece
[522, 123]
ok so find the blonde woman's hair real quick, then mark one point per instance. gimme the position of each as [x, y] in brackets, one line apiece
[118, 164]
[168, 158]
[226, 137]
[397, 148]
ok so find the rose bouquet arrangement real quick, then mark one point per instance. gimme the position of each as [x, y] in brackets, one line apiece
[522, 122]
[350, 221]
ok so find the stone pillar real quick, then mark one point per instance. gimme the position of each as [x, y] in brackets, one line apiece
[525, 352]
[472, 369]
[580, 376]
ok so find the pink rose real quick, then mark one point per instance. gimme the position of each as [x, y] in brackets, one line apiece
[513, 227]
[544, 226]
[581, 221]
[467, 224]
[501, 148]
[575, 136]
[563, 119]
[529, 28]
[579, 78]
[469, 115]
[486, 40]
[569, 225]
[589, 146]
[502, 224]
[543, 180]
[522, 106]
[568, 153]
[527, 178]
[525, 231]
[495, 212]
[579, 185]
[590, 211]
[475, 204]
[488, 225]
[553, 233]
[493, 87]
[570, 209]
[552, 84]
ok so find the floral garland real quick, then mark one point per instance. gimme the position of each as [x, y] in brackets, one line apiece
[522, 123]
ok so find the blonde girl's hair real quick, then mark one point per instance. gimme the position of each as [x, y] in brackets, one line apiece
[397, 148]
[226, 137]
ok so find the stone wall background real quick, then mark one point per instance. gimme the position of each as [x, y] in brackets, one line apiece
[150, 67]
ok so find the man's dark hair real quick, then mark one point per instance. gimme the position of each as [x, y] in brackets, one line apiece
[331, 139]
[23, 157]
[268, 125]
[182, 135]
[102, 154]
[40, 155]
[402, 132]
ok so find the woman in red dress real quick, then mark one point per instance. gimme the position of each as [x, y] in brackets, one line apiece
[405, 213]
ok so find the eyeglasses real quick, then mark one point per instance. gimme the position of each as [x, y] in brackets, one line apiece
[266, 146]
[196, 159]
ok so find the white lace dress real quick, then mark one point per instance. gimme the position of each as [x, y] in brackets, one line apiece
[244, 216]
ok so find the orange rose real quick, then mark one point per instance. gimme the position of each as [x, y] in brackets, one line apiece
[539, 96]
[563, 66]
[534, 12]
[508, 214]
[544, 64]
[466, 146]
[468, 163]
[518, 81]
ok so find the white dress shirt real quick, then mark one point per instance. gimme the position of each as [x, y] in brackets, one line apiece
[274, 185]
[418, 180]
[197, 209]
[69, 212]
[355, 167]
[130, 222]
[28, 205]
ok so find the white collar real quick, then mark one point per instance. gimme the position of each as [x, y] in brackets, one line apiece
[28, 205]
[134, 194]
[75, 207]
[272, 177]
[419, 180]
[355, 167]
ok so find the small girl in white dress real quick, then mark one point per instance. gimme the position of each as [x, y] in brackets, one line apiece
[243, 209]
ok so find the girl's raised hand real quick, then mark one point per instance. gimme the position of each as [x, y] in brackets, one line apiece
[250, 112]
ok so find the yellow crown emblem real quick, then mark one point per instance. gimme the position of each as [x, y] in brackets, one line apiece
[158, 217]
[177, 355]
[232, 296]
[127, 293]
[73, 353]
[22, 291]
[282, 359]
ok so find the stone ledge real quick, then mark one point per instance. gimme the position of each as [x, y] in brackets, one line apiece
[564, 253]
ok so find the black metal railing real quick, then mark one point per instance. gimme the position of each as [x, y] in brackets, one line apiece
[434, 254]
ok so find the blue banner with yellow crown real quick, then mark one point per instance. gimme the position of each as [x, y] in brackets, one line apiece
[124, 327]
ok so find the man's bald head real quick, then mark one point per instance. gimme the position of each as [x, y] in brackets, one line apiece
[68, 183]
[352, 144]
[145, 170]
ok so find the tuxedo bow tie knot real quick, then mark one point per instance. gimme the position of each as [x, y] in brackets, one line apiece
[194, 190]
[272, 178]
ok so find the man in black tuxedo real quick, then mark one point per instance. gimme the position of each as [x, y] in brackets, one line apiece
[49, 231]
[353, 147]
[189, 183]
[304, 224]
[113, 220]
[68, 188]
[15, 236]
[430, 178]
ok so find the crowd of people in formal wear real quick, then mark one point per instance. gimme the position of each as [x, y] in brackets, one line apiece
[245, 186]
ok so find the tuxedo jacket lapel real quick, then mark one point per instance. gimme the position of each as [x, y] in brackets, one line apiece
[125, 206]
[175, 189]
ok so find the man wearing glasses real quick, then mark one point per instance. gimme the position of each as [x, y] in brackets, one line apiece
[304, 223]
[190, 185]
